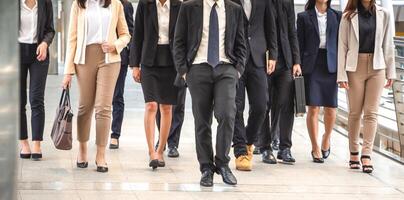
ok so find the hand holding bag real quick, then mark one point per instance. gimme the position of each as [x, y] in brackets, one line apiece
[62, 126]
[300, 97]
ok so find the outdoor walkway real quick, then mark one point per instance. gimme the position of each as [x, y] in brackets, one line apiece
[57, 177]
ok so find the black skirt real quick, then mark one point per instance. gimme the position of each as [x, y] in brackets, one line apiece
[158, 85]
[321, 85]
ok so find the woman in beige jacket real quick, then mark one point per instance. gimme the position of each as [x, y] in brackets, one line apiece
[365, 61]
[97, 34]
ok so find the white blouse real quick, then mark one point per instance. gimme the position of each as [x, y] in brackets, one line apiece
[98, 21]
[28, 32]
[322, 28]
[163, 16]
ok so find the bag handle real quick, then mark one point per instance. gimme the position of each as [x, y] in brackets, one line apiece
[65, 98]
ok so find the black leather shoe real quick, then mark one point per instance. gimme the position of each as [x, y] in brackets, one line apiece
[82, 164]
[317, 160]
[326, 153]
[36, 156]
[286, 156]
[227, 175]
[207, 179]
[154, 164]
[268, 157]
[275, 145]
[101, 169]
[114, 146]
[162, 163]
[257, 151]
[173, 152]
[25, 155]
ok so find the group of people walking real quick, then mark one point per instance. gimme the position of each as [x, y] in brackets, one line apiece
[222, 51]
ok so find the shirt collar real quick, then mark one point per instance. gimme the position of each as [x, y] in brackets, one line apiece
[320, 14]
[362, 10]
[220, 3]
[166, 4]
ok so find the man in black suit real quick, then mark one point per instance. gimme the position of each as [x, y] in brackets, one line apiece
[260, 29]
[281, 87]
[118, 103]
[210, 54]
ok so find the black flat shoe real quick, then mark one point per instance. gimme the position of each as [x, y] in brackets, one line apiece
[25, 155]
[353, 164]
[317, 160]
[268, 157]
[36, 156]
[173, 152]
[366, 168]
[162, 163]
[101, 169]
[82, 164]
[114, 146]
[207, 179]
[286, 156]
[227, 175]
[154, 164]
[326, 153]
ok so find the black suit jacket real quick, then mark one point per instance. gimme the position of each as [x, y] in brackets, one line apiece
[145, 36]
[309, 39]
[287, 29]
[46, 30]
[188, 35]
[128, 9]
[260, 31]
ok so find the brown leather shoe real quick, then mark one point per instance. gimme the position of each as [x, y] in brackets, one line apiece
[250, 151]
[243, 163]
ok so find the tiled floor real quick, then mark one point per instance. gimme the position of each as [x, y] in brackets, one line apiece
[56, 177]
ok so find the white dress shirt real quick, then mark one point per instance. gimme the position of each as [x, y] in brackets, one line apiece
[322, 28]
[247, 6]
[28, 32]
[163, 16]
[98, 21]
[202, 54]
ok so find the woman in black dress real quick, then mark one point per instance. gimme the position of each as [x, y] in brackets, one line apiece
[153, 66]
[35, 35]
[317, 29]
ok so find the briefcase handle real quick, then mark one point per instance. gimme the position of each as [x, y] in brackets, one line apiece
[65, 98]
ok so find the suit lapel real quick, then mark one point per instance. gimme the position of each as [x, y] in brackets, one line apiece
[41, 12]
[314, 21]
[379, 24]
[331, 22]
[173, 12]
[253, 7]
[153, 13]
[355, 24]
[198, 10]
[241, 4]
[229, 16]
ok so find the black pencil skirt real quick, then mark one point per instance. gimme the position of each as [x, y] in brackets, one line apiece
[158, 85]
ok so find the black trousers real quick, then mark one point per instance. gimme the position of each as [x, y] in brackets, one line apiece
[38, 72]
[118, 103]
[177, 121]
[254, 80]
[213, 90]
[281, 90]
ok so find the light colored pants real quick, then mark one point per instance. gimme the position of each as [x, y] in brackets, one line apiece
[365, 90]
[96, 81]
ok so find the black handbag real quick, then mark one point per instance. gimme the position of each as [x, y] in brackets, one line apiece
[300, 97]
[62, 126]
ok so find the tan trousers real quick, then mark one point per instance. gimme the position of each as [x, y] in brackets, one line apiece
[365, 90]
[96, 81]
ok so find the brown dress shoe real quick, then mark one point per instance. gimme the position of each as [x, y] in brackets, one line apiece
[250, 151]
[243, 163]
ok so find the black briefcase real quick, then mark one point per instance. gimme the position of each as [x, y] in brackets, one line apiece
[300, 97]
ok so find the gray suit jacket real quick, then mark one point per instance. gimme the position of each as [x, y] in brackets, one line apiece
[348, 45]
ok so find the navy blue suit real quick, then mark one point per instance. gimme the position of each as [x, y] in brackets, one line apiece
[319, 66]
[307, 27]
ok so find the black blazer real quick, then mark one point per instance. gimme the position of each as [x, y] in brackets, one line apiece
[260, 31]
[309, 39]
[128, 9]
[145, 35]
[45, 29]
[188, 35]
[287, 28]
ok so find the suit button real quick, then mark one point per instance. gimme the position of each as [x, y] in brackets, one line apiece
[249, 38]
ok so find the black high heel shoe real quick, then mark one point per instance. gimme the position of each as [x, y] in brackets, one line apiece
[154, 164]
[101, 169]
[162, 163]
[353, 164]
[82, 164]
[366, 168]
[326, 153]
[36, 156]
[317, 160]
[25, 155]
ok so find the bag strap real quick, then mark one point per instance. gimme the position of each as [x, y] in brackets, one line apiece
[62, 97]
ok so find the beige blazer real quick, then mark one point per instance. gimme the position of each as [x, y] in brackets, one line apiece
[76, 44]
[348, 45]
